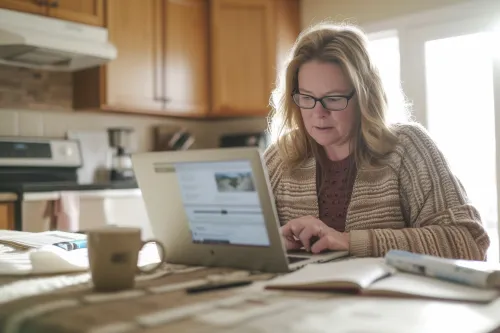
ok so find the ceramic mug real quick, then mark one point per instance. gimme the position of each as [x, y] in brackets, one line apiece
[113, 257]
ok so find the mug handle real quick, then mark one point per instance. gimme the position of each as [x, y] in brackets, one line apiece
[162, 256]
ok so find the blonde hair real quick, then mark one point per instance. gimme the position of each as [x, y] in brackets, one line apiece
[345, 45]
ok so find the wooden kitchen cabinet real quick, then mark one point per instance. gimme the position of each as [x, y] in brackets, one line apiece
[250, 40]
[243, 58]
[131, 82]
[26, 6]
[162, 63]
[7, 216]
[186, 57]
[191, 58]
[287, 28]
[181, 58]
[82, 11]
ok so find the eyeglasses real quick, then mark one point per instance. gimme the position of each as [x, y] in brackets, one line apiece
[330, 103]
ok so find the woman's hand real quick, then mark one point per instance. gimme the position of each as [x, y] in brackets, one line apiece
[300, 231]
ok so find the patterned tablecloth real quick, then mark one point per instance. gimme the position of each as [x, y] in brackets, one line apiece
[159, 303]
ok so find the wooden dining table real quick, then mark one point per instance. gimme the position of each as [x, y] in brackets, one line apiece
[164, 302]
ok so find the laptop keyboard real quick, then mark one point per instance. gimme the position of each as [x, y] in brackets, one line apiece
[293, 259]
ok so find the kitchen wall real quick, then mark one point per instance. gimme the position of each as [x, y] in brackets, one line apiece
[363, 11]
[38, 103]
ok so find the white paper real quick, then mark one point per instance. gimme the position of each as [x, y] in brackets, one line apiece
[37, 240]
[49, 259]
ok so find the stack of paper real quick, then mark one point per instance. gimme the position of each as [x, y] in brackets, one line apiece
[23, 253]
[36, 240]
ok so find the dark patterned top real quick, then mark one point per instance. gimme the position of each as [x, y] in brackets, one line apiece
[334, 184]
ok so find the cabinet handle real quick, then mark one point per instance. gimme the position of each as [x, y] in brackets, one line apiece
[54, 4]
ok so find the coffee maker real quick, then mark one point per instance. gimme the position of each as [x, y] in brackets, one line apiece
[120, 142]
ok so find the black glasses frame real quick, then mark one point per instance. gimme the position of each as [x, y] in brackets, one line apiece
[321, 100]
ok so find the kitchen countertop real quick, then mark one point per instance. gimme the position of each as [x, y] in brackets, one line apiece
[66, 186]
[7, 197]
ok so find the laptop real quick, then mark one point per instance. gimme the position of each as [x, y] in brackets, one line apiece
[215, 207]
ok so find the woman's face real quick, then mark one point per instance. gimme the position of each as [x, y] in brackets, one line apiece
[318, 80]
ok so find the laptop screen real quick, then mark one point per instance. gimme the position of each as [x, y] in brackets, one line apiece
[222, 203]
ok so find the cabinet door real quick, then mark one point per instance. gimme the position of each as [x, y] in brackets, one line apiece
[243, 56]
[7, 216]
[133, 78]
[186, 63]
[27, 6]
[287, 28]
[131, 82]
[81, 11]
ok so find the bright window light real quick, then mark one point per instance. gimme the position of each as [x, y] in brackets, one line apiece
[461, 118]
[385, 53]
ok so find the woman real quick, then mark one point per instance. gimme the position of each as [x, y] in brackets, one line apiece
[345, 180]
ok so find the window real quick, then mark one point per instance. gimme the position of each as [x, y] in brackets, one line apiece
[461, 116]
[450, 71]
[385, 53]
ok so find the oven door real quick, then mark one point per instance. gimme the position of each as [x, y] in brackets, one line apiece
[37, 211]
[124, 207]
[96, 208]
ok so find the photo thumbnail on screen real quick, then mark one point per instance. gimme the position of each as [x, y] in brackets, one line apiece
[234, 182]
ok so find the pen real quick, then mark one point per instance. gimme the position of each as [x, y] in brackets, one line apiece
[218, 286]
[72, 245]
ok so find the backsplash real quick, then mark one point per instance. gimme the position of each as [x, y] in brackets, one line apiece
[22, 88]
[38, 103]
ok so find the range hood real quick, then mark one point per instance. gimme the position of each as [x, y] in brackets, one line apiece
[40, 42]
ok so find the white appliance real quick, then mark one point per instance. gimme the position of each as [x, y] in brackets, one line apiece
[43, 172]
[35, 41]
[97, 208]
[121, 207]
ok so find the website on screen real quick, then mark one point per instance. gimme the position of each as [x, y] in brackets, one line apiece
[222, 203]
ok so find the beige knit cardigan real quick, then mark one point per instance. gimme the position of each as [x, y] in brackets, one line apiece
[411, 202]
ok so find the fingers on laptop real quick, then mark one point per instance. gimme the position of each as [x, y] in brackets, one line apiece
[321, 245]
[306, 229]
[292, 243]
[308, 234]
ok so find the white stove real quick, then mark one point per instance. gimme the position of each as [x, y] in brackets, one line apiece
[43, 172]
